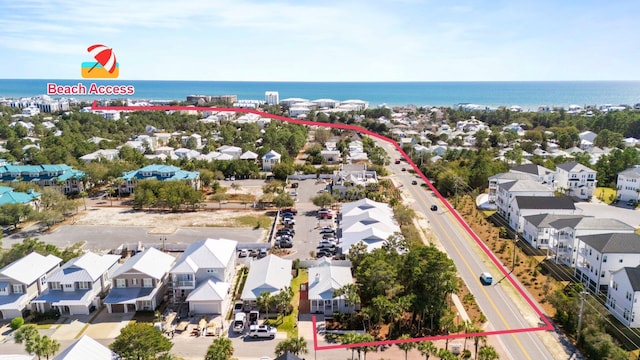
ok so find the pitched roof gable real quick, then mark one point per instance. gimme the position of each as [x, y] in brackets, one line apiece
[151, 261]
[207, 253]
[616, 243]
[30, 268]
[545, 202]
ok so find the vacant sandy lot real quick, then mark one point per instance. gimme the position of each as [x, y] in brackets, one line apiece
[116, 216]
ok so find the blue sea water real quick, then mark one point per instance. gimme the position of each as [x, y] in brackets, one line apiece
[527, 94]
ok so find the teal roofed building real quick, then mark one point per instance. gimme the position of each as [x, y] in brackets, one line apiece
[61, 176]
[160, 173]
[8, 196]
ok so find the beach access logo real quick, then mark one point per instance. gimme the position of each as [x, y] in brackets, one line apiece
[104, 66]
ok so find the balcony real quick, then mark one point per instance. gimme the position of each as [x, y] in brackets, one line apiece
[184, 284]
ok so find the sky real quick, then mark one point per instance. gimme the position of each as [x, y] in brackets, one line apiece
[325, 40]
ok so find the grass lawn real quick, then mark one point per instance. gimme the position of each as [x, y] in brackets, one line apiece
[606, 195]
[263, 221]
[288, 323]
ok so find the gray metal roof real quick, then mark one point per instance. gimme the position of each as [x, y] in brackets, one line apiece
[207, 253]
[633, 172]
[545, 220]
[545, 202]
[573, 166]
[30, 268]
[270, 274]
[151, 261]
[512, 176]
[532, 169]
[324, 279]
[526, 185]
[616, 243]
[88, 267]
[633, 274]
[86, 348]
[209, 290]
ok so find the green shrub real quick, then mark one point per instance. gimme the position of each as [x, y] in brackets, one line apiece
[16, 323]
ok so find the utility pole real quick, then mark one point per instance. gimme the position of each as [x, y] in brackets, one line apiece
[515, 240]
[582, 294]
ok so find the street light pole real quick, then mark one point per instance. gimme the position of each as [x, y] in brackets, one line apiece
[515, 240]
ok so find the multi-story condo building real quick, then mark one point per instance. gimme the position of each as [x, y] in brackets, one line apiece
[575, 180]
[628, 184]
[61, 176]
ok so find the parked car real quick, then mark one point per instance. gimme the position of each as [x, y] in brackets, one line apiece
[262, 331]
[262, 253]
[414, 182]
[397, 161]
[285, 243]
[330, 239]
[243, 253]
[286, 231]
[289, 221]
[239, 322]
[326, 245]
[287, 215]
[327, 230]
[294, 185]
[323, 253]
[404, 169]
[290, 210]
[434, 207]
[238, 307]
[254, 317]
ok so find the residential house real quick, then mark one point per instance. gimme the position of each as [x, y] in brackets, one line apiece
[63, 177]
[541, 173]
[203, 274]
[76, 287]
[234, 151]
[22, 281]
[508, 191]
[160, 173]
[102, 154]
[324, 279]
[184, 153]
[564, 238]
[352, 176]
[366, 221]
[522, 206]
[331, 156]
[140, 283]
[587, 138]
[576, 180]
[8, 196]
[87, 348]
[628, 184]
[623, 294]
[537, 229]
[270, 274]
[270, 159]
[600, 255]
[503, 178]
[249, 156]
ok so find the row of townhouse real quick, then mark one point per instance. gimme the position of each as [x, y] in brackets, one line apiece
[61, 176]
[201, 277]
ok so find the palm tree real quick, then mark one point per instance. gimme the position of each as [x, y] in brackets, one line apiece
[46, 347]
[292, 346]
[476, 341]
[488, 352]
[365, 338]
[27, 334]
[466, 326]
[349, 338]
[118, 183]
[265, 300]
[220, 349]
[406, 346]
[445, 354]
[427, 348]
[349, 292]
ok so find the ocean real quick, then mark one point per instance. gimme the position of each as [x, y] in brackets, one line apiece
[526, 94]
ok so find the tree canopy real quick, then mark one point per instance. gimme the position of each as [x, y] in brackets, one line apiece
[140, 341]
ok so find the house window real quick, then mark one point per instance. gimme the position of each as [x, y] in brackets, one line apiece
[145, 305]
[604, 258]
[210, 271]
[68, 286]
[84, 285]
[620, 261]
[121, 283]
[54, 285]
[147, 282]
[17, 289]
[134, 281]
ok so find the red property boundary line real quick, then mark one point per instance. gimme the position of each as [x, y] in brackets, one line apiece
[503, 270]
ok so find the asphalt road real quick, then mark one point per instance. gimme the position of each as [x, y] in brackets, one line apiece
[499, 308]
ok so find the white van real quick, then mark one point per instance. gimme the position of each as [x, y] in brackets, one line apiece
[486, 278]
[239, 322]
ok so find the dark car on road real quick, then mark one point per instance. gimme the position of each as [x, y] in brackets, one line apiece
[414, 182]
[434, 207]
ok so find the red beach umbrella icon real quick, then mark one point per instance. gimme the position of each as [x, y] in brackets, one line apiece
[104, 56]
